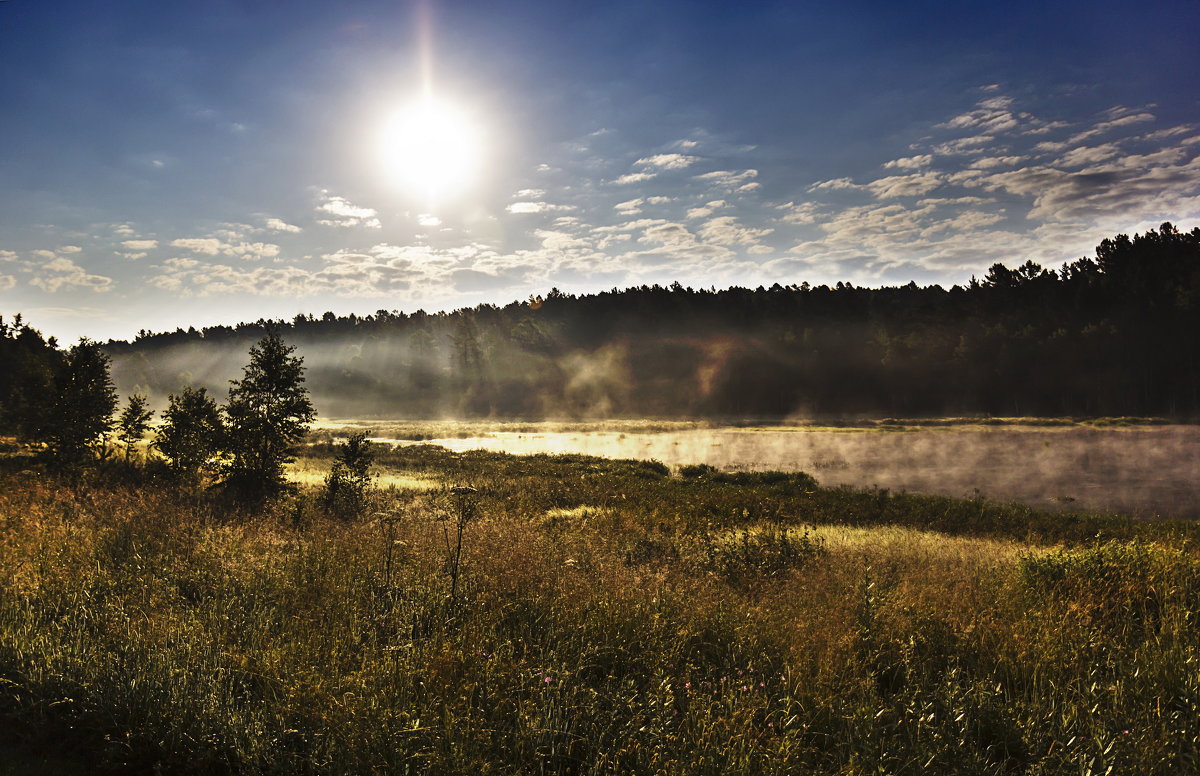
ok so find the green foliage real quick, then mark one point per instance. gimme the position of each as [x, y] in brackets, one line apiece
[348, 484]
[1123, 584]
[268, 414]
[74, 416]
[133, 423]
[797, 480]
[1098, 566]
[192, 433]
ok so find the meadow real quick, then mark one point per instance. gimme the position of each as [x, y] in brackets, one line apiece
[598, 616]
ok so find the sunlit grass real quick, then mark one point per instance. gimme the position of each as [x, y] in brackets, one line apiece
[313, 471]
[612, 618]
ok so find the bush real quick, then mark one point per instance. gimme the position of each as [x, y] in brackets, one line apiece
[697, 470]
[349, 482]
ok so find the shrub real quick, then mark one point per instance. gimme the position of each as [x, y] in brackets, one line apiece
[349, 482]
[697, 470]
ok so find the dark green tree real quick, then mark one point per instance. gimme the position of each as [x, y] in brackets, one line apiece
[73, 419]
[268, 414]
[349, 482]
[27, 366]
[133, 423]
[192, 433]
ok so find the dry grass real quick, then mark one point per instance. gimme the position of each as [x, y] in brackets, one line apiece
[612, 619]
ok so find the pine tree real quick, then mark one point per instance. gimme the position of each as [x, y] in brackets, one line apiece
[268, 412]
[349, 480]
[133, 423]
[74, 418]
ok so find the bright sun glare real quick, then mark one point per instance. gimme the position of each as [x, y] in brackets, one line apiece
[432, 148]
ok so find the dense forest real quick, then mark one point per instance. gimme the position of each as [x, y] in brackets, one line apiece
[1111, 335]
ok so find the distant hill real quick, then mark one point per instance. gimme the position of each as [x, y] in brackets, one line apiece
[1110, 335]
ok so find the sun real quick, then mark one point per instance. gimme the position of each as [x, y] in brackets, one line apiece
[432, 148]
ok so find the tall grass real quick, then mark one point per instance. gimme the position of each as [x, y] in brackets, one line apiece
[600, 617]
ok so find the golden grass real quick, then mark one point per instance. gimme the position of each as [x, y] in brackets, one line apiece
[596, 631]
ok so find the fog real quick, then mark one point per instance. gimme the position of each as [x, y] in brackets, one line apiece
[1145, 471]
[445, 372]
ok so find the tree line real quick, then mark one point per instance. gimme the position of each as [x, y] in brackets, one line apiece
[62, 405]
[1109, 335]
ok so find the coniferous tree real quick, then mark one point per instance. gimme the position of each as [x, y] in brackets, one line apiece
[29, 363]
[133, 423]
[349, 480]
[192, 433]
[74, 418]
[268, 413]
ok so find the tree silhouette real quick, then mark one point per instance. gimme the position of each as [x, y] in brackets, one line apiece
[29, 363]
[268, 412]
[1116, 334]
[192, 433]
[133, 423]
[74, 418]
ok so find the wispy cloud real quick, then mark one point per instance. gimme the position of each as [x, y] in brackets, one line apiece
[738, 182]
[537, 207]
[339, 211]
[633, 177]
[668, 161]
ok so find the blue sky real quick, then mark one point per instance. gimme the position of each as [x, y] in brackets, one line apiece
[168, 164]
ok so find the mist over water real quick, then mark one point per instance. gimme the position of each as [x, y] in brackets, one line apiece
[1141, 471]
[445, 368]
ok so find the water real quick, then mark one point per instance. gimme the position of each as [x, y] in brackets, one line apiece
[1144, 471]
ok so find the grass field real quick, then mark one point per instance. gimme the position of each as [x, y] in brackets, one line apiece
[604, 617]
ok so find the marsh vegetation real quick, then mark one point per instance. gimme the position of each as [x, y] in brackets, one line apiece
[603, 616]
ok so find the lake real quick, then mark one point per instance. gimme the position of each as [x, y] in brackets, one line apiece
[1145, 471]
